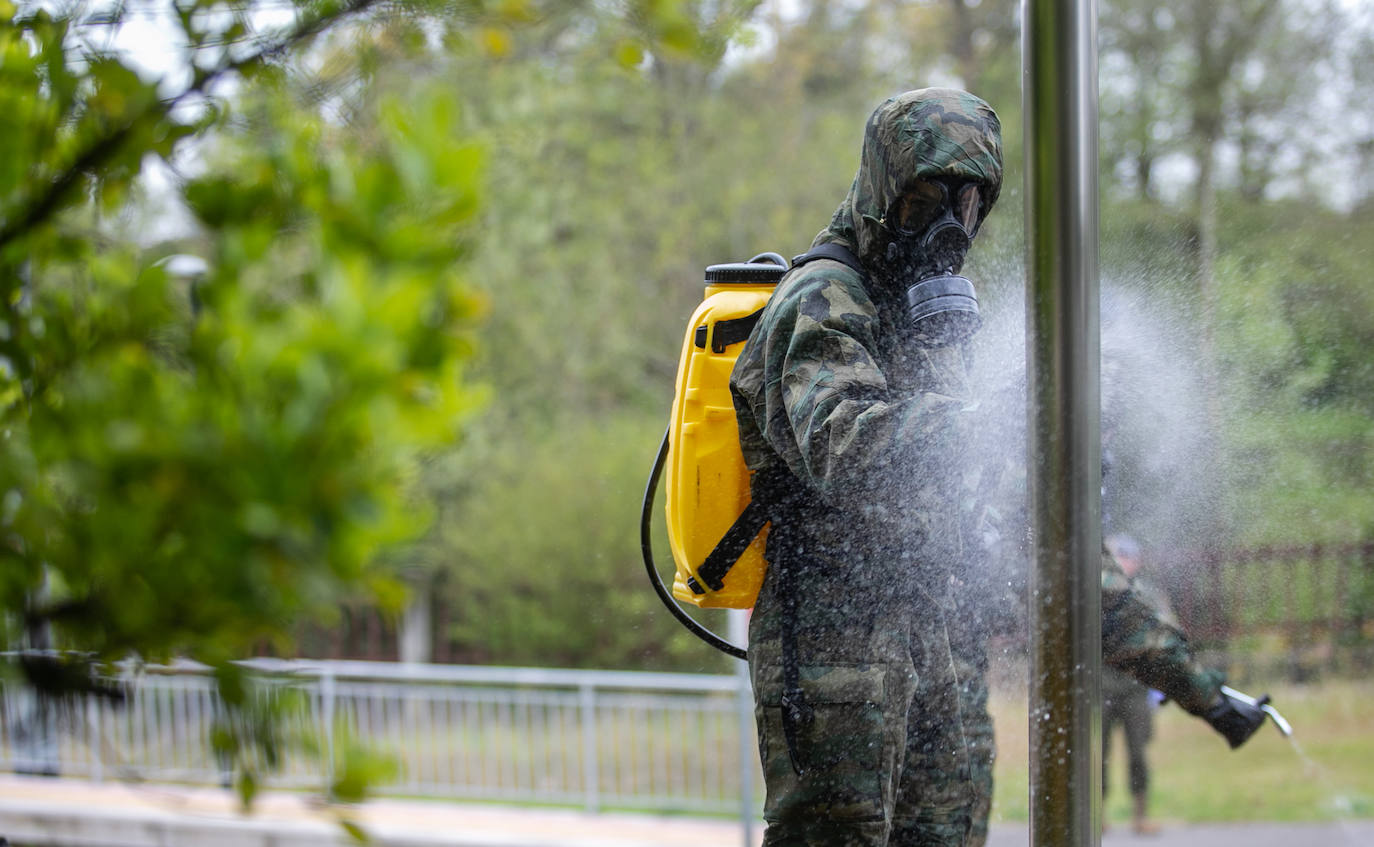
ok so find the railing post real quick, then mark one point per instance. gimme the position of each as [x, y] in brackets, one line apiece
[591, 775]
[327, 696]
[739, 634]
[96, 735]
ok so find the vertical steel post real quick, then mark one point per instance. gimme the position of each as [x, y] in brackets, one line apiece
[1065, 461]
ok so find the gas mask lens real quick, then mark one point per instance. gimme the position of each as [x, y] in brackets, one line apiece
[924, 200]
[918, 206]
[970, 200]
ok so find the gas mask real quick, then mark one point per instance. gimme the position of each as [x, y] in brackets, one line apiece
[931, 227]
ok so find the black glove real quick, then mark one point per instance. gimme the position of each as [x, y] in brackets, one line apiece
[1236, 719]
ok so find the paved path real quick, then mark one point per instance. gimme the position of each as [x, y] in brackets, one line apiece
[73, 813]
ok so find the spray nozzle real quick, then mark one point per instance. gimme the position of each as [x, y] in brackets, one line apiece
[1263, 705]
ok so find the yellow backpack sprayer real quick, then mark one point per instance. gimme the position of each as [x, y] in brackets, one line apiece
[716, 533]
[708, 484]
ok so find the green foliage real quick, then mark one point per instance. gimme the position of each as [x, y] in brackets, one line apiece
[1294, 331]
[253, 733]
[195, 469]
[609, 201]
[191, 465]
[358, 768]
[194, 464]
[545, 565]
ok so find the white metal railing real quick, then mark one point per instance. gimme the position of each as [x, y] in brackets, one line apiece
[591, 738]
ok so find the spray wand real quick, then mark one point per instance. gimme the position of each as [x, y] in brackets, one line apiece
[1263, 705]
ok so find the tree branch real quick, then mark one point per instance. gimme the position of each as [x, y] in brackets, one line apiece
[98, 151]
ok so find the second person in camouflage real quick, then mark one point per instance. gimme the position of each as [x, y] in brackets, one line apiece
[1141, 639]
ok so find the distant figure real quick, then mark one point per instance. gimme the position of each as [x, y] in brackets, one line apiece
[1127, 702]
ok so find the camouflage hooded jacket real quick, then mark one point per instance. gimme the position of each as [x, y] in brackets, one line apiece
[831, 387]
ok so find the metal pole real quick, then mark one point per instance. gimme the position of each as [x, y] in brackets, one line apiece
[1060, 112]
[739, 634]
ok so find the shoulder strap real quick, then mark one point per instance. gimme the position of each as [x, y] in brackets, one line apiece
[835, 252]
[770, 498]
[730, 547]
[773, 493]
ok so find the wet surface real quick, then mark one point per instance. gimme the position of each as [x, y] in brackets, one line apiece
[110, 814]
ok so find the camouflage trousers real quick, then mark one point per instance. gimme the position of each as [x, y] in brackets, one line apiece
[883, 759]
[971, 664]
[1129, 706]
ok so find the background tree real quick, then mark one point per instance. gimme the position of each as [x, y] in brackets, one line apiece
[1212, 123]
[194, 466]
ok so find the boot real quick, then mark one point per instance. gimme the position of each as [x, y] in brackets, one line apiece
[1140, 824]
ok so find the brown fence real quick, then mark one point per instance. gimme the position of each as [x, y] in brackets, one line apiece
[1307, 609]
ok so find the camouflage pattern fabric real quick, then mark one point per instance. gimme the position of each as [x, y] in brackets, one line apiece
[1126, 702]
[1141, 640]
[883, 760]
[933, 132]
[969, 648]
[833, 388]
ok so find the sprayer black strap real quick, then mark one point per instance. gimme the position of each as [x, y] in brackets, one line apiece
[727, 332]
[730, 547]
[835, 252]
[770, 493]
[786, 498]
[797, 714]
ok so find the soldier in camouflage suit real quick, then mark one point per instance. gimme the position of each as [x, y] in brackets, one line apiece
[1126, 702]
[854, 419]
[835, 391]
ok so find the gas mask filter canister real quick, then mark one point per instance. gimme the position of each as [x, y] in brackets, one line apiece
[936, 220]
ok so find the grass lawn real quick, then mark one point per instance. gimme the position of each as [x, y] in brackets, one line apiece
[1195, 776]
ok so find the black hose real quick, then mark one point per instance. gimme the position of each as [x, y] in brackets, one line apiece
[646, 545]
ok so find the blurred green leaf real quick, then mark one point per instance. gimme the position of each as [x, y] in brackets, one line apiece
[356, 831]
[246, 786]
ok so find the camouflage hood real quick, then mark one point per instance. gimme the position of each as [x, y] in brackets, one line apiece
[920, 134]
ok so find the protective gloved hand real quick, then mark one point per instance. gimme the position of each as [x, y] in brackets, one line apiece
[1236, 719]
